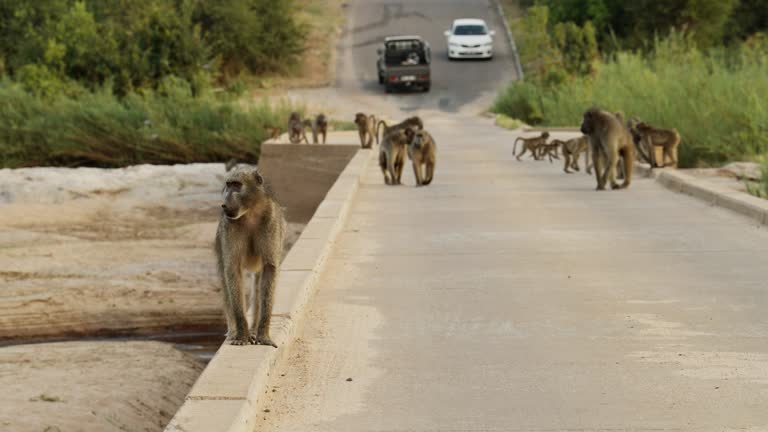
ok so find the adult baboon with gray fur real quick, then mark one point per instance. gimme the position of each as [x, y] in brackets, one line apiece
[249, 237]
[609, 139]
[422, 150]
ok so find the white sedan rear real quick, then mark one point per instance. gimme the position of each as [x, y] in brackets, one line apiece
[469, 38]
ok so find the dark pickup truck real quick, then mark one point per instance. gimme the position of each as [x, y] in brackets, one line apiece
[404, 62]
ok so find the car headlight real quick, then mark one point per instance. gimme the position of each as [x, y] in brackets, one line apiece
[488, 44]
[453, 45]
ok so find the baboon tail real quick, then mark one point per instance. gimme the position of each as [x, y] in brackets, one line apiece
[378, 125]
[514, 147]
[372, 119]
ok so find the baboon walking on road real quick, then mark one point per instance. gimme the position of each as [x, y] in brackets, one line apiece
[609, 140]
[392, 156]
[422, 150]
[249, 237]
[530, 144]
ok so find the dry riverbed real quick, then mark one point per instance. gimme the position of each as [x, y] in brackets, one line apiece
[88, 253]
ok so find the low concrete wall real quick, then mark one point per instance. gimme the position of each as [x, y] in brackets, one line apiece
[226, 395]
[747, 205]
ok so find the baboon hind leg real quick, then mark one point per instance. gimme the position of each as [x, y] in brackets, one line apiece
[430, 173]
[266, 300]
[234, 305]
[417, 172]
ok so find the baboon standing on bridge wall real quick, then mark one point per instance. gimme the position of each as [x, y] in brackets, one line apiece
[249, 237]
[295, 128]
[366, 128]
[609, 139]
[319, 128]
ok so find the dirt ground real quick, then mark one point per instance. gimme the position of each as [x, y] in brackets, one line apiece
[92, 251]
[106, 252]
[46, 387]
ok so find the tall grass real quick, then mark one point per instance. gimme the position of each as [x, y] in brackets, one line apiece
[718, 100]
[166, 126]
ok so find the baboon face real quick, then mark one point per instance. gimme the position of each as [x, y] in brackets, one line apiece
[243, 190]
[320, 119]
[588, 124]
[415, 121]
[409, 135]
[361, 119]
[545, 135]
[295, 116]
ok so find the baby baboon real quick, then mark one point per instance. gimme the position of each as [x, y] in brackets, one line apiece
[366, 126]
[411, 122]
[421, 150]
[572, 149]
[392, 156]
[319, 128]
[530, 144]
[650, 137]
[249, 238]
[609, 139]
[295, 128]
[550, 150]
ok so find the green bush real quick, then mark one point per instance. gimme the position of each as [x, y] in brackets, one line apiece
[714, 99]
[166, 126]
[134, 44]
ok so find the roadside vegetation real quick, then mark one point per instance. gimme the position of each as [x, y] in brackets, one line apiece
[700, 67]
[118, 82]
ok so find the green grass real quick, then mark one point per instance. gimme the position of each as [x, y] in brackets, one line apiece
[98, 129]
[507, 122]
[342, 125]
[716, 100]
[760, 188]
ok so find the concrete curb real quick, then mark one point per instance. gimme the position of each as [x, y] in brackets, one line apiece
[747, 205]
[226, 395]
[511, 39]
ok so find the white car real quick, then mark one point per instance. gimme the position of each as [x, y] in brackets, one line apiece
[469, 38]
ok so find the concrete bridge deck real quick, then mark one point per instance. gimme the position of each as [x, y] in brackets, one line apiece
[511, 296]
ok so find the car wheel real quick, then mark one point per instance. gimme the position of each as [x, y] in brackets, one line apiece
[388, 88]
[426, 88]
[381, 79]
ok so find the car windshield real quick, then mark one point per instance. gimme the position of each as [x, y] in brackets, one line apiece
[469, 30]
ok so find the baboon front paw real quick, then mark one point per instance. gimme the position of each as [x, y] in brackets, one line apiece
[265, 340]
[241, 341]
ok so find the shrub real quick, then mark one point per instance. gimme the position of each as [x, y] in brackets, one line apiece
[166, 126]
[713, 99]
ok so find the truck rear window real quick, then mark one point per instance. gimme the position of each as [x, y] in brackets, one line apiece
[404, 53]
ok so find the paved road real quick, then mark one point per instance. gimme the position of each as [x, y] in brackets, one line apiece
[454, 83]
[510, 296]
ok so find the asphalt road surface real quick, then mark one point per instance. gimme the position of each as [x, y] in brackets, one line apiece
[454, 83]
[509, 296]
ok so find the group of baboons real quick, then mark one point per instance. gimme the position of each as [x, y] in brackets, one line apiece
[252, 225]
[612, 143]
[297, 128]
[407, 137]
